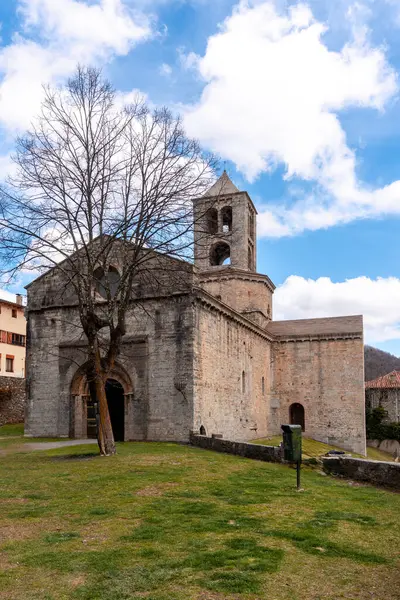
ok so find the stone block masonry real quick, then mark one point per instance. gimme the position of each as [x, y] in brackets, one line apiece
[12, 400]
[254, 451]
[386, 474]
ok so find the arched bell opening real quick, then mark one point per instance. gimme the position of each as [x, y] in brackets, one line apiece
[220, 254]
[226, 217]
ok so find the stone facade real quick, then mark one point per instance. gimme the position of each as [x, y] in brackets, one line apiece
[201, 351]
[12, 400]
[385, 391]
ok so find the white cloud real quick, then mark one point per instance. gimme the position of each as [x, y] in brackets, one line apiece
[272, 94]
[89, 27]
[377, 299]
[165, 70]
[5, 295]
[55, 36]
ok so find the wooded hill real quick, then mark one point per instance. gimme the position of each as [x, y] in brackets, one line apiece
[378, 362]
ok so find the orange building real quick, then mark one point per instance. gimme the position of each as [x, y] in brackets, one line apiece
[12, 338]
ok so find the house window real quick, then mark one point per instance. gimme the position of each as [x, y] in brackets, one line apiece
[17, 339]
[14, 313]
[9, 364]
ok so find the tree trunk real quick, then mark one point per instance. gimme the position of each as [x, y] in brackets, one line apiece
[97, 379]
[105, 436]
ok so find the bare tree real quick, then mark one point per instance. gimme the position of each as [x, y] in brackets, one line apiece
[94, 176]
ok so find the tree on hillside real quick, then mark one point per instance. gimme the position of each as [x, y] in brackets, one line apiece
[378, 362]
[91, 174]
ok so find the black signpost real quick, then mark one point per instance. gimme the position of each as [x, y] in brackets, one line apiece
[292, 447]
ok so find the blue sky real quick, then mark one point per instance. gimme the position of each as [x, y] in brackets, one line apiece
[300, 99]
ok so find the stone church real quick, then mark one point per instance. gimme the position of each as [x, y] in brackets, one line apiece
[203, 354]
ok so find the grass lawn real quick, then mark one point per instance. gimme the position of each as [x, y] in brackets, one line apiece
[167, 522]
[312, 449]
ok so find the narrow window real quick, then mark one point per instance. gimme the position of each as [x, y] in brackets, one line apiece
[10, 364]
[243, 382]
[250, 257]
[14, 313]
[263, 386]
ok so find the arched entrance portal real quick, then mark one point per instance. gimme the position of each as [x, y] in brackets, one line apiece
[119, 392]
[116, 408]
[296, 415]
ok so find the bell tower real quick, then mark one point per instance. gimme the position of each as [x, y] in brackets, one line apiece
[225, 228]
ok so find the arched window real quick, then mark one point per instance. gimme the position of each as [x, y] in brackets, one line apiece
[203, 430]
[106, 282]
[296, 415]
[212, 221]
[250, 257]
[220, 254]
[226, 214]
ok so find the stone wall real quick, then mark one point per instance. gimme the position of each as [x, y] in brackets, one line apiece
[375, 472]
[388, 398]
[12, 400]
[255, 451]
[231, 374]
[157, 356]
[242, 291]
[326, 376]
[390, 446]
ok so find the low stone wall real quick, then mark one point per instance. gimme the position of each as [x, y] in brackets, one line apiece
[390, 446]
[256, 451]
[375, 472]
[12, 400]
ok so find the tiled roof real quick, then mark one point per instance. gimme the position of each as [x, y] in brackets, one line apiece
[321, 326]
[391, 380]
[222, 186]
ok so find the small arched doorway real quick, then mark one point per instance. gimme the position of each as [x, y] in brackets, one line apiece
[116, 408]
[296, 415]
[119, 393]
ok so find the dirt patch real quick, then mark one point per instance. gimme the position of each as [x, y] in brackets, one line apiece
[11, 533]
[216, 596]
[77, 581]
[155, 490]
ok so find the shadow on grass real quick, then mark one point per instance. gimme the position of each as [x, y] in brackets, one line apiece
[73, 457]
[320, 546]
